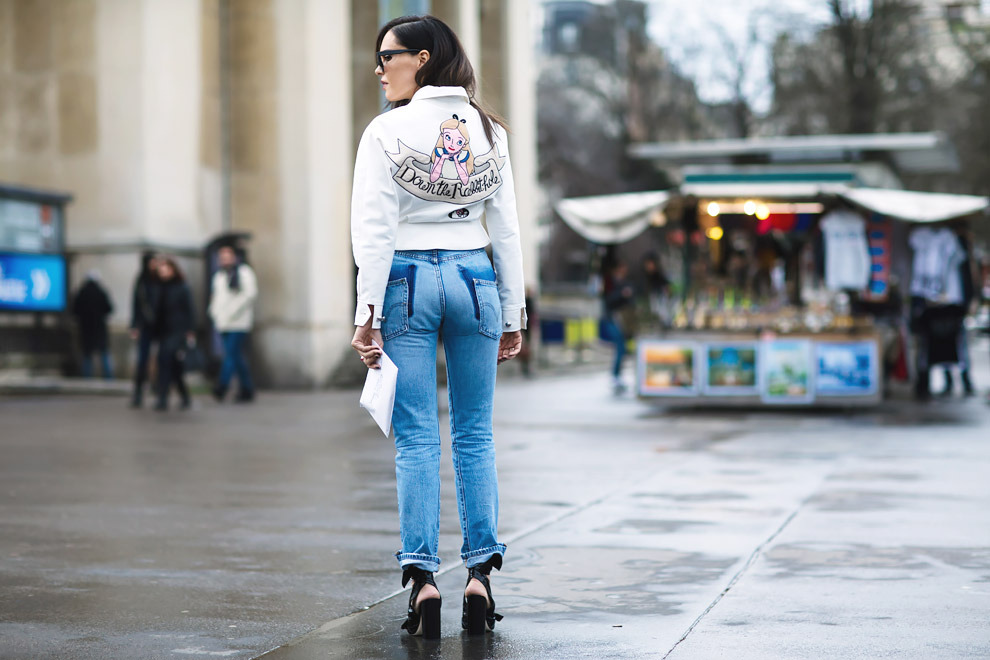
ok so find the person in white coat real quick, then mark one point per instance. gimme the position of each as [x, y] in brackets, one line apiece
[233, 292]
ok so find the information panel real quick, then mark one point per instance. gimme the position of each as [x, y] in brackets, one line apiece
[667, 368]
[786, 367]
[846, 368]
[731, 368]
[32, 282]
[27, 226]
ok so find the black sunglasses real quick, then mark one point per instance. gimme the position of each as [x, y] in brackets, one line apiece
[382, 54]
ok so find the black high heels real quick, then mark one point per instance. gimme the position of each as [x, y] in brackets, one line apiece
[479, 614]
[424, 620]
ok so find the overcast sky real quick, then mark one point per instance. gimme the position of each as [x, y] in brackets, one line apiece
[686, 30]
[691, 33]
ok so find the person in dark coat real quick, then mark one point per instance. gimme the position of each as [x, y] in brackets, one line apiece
[618, 317]
[656, 287]
[91, 308]
[143, 302]
[175, 319]
[968, 295]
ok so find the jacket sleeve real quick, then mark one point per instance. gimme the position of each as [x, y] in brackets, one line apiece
[617, 298]
[190, 310]
[374, 218]
[249, 290]
[107, 303]
[135, 306]
[503, 229]
[213, 309]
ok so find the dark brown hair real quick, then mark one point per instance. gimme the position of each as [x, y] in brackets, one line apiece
[178, 276]
[448, 65]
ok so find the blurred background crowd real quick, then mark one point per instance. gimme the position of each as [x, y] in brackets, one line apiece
[680, 169]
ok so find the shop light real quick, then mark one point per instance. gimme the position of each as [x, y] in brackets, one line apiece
[730, 207]
[762, 212]
[714, 233]
[713, 209]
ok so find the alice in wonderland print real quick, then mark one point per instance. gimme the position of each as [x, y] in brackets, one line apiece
[451, 172]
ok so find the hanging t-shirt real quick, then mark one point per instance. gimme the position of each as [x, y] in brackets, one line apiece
[935, 274]
[847, 254]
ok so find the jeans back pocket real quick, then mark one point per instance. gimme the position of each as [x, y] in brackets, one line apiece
[396, 309]
[489, 308]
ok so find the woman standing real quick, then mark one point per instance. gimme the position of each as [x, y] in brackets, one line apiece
[143, 303]
[425, 174]
[91, 308]
[175, 319]
[234, 290]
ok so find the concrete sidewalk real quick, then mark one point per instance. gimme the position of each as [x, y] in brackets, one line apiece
[787, 537]
[632, 532]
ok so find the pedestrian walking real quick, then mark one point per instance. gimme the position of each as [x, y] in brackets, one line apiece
[656, 287]
[618, 317]
[91, 308]
[937, 311]
[965, 304]
[144, 300]
[423, 271]
[175, 320]
[232, 295]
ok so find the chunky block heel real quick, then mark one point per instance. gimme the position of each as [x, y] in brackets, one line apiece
[477, 610]
[425, 619]
[429, 624]
[478, 615]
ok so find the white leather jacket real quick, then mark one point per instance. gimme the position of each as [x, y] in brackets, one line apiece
[425, 176]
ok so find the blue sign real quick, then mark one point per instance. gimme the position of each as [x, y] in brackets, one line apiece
[847, 368]
[32, 282]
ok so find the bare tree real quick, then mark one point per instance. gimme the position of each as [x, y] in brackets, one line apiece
[739, 71]
[867, 71]
[971, 95]
[612, 88]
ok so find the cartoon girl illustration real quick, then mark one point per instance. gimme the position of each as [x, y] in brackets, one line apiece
[453, 145]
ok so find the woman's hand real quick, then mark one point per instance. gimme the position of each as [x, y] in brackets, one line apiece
[509, 345]
[370, 354]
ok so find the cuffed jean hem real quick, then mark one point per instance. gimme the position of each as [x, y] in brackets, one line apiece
[475, 557]
[425, 562]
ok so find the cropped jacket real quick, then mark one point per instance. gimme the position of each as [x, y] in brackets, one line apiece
[426, 178]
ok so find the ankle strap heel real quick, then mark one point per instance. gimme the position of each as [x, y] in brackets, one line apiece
[425, 620]
[479, 614]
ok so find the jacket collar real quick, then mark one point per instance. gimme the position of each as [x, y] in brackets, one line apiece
[432, 92]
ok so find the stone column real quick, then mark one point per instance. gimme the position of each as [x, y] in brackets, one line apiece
[520, 107]
[464, 18]
[171, 101]
[292, 159]
[101, 99]
[510, 88]
[367, 98]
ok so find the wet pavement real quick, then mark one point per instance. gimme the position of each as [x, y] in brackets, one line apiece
[633, 532]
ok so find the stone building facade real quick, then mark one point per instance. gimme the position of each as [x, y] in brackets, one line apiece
[173, 121]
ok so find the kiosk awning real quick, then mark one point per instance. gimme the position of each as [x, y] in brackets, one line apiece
[768, 190]
[609, 219]
[915, 206]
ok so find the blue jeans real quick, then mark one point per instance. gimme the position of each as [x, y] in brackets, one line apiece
[143, 358]
[450, 294]
[233, 361]
[87, 364]
[611, 332]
